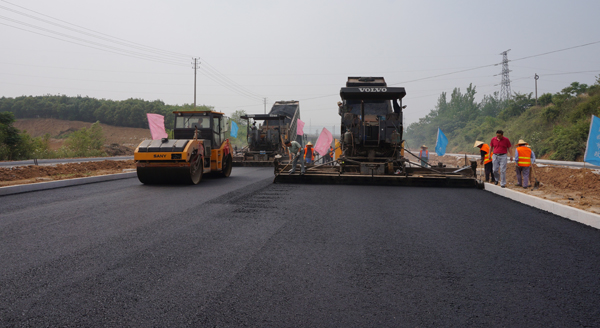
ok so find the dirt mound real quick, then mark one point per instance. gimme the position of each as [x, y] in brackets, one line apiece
[118, 150]
[579, 188]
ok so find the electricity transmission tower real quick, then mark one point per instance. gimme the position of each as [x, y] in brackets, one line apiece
[505, 84]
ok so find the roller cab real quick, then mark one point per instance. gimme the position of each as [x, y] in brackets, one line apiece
[199, 147]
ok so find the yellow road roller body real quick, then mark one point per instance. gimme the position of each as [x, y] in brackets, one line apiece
[199, 146]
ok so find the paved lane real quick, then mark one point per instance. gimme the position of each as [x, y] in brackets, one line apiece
[242, 251]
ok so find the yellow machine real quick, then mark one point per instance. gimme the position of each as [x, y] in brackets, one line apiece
[199, 146]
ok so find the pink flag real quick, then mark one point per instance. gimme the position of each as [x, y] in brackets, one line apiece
[324, 142]
[157, 126]
[300, 128]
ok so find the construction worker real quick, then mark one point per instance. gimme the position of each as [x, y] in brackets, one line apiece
[309, 153]
[424, 155]
[295, 149]
[330, 155]
[524, 158]
[253, 136]
[486, 160]
[501, 148]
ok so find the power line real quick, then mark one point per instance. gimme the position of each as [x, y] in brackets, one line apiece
[212, 70]
[568, 73]
[559, 50]
[94, 45]
[100, 33]
[87, 80]
[450, 73]
[151, 53]
[89, 46]
[94, 70]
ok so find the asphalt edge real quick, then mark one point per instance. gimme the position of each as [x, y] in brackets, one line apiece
[568, 212]
[11, 190]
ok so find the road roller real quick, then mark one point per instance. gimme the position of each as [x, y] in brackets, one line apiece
[199, 147]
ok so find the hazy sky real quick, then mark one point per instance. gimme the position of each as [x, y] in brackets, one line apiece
[291, 50]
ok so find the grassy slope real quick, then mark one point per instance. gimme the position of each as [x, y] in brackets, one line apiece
[558, 131]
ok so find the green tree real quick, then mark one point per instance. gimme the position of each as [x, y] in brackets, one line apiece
[86, 142]
[517, 105]
[575, 89]
[568, 143]
[10, 139]
[545, 99]
[491, 105]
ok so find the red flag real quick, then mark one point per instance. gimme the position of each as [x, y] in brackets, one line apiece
[324, 142]
[157, 126]
[300, 128]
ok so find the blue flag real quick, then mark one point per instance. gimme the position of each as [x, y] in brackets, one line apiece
[442, 142]
[234, 129]
[592, 150]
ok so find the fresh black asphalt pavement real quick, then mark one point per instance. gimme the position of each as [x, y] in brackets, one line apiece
[242, 251]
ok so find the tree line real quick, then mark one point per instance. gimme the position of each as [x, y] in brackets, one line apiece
[128, 113]
[557, 126]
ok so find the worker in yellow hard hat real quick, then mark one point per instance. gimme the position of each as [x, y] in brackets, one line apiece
[524, 158]
[424, 156]
[486, 160]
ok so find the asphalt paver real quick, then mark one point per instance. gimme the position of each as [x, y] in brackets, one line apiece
[243, 251]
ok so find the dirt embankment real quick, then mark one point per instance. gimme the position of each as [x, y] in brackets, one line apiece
[119, 140]
[39, 173]
[579, 188]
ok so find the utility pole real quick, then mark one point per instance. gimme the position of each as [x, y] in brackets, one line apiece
[505, 92]
[195, 67]
[265, 103]
[536, 77]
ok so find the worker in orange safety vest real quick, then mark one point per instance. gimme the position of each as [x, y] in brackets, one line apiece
[524, 157]
[486, 160]
[309, 153]
[331, 154]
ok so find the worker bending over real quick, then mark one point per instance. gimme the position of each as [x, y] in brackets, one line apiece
[296, 150]
[486, 160]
